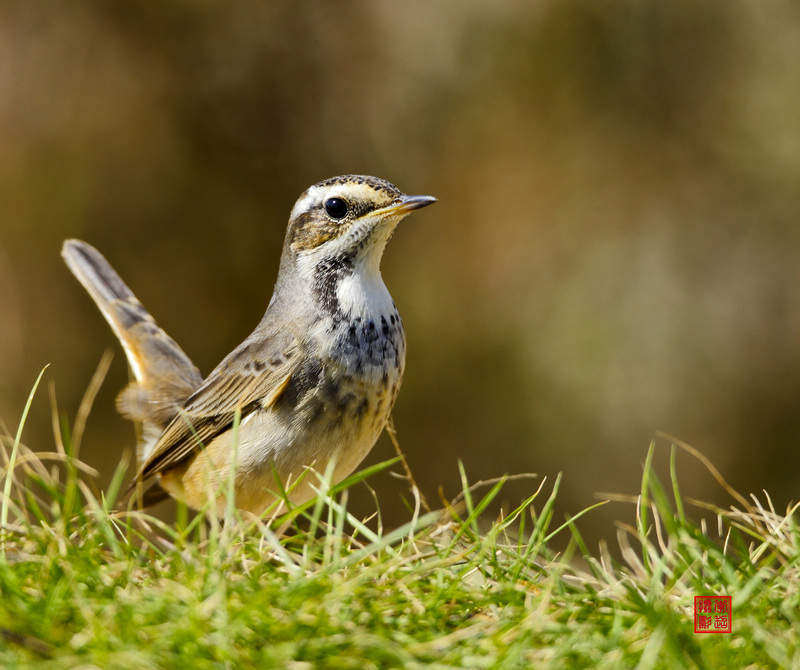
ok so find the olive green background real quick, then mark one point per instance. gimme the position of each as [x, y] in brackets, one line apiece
[615, 250]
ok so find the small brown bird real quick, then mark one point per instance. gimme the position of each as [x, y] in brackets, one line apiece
[313, 384]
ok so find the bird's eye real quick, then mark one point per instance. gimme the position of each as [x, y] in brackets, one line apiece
[336, 208]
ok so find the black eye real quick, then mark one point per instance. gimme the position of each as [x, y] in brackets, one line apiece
[336, 208]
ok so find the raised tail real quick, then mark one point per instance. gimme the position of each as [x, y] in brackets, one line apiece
[165, 376]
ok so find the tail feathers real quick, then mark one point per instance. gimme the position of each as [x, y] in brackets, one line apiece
[165, 376]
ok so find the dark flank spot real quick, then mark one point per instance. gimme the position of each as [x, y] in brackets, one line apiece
[332, 388]
[276, 360]
[384, 327]
[305, 380]
[343, 401]
[361, 408]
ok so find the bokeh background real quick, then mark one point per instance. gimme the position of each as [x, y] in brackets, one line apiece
[615, 251]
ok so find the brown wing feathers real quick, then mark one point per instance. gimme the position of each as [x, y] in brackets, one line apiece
[211, 410]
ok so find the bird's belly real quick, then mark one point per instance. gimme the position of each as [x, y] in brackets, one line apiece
[330, 415]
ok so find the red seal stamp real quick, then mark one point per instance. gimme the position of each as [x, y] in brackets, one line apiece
[713, 614]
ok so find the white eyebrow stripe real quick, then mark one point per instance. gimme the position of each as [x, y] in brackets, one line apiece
[305, 202]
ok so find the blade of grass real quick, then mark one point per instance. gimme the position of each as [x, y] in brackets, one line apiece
[85, 408]
[643, 505]
[12, 463]
[676, 494]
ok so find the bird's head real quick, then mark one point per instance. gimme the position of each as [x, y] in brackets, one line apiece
[349, 218]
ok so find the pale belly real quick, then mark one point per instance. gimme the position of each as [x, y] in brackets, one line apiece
[329, 418]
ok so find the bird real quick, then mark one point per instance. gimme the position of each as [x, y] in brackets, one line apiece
[311, 388]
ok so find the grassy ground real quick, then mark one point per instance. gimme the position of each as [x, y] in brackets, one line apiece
[85, 584]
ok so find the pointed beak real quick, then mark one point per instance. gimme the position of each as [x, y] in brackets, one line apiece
[408, 203]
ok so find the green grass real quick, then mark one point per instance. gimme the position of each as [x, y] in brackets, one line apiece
[86, 584]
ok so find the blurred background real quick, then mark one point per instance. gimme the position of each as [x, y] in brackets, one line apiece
[615, 251]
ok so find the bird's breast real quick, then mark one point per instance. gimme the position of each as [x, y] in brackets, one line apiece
[360, 329]
[369, 345]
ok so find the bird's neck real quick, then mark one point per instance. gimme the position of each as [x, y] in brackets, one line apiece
[362, 293]
[347, 287]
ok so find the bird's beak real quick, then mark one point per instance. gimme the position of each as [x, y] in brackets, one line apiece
[408, 203]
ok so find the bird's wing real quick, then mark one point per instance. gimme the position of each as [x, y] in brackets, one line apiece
[253, 376]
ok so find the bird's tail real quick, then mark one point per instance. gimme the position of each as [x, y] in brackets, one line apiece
[165, 376]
